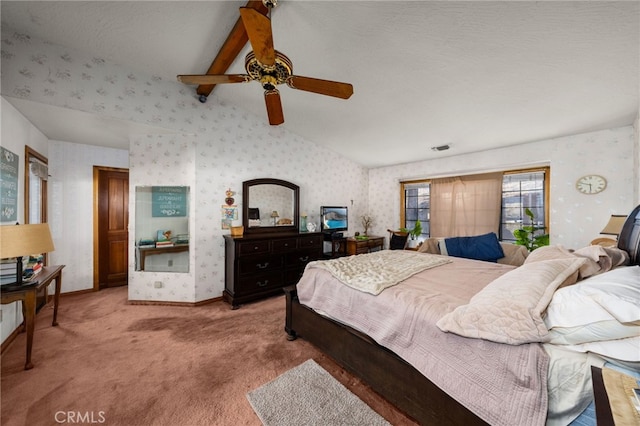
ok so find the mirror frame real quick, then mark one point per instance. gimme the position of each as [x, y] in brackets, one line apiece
[246, 189]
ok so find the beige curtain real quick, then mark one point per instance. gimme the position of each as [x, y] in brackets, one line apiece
[466, 205]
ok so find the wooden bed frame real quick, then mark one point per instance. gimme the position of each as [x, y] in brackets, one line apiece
[387, 373]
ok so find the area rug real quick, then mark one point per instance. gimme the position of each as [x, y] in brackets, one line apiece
[309, 395]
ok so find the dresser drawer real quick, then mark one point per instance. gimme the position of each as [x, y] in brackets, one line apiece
[301, 258]
[283, 245]
[255, 247]
[258, 282]
[257, 264]
[314, 241]
[373, 243]
[362, 248]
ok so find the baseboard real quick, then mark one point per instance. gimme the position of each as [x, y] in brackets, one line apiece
[10, 338]
[187, 304]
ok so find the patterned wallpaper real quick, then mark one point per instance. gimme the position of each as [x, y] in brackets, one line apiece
[213, 147]
[575, 218]
[216, 146]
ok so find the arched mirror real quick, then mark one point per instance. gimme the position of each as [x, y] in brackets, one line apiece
[270, 205]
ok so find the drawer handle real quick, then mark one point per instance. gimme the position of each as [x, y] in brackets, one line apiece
[256, 248]
[304, 259]
[262, 284]
[262, 265]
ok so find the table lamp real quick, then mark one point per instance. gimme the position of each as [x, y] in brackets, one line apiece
[22, 240]
[274, 215]
[615, 224]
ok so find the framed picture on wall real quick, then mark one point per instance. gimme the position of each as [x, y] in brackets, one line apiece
[9, 166]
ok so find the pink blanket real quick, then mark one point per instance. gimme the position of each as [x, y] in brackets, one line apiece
[502, 384]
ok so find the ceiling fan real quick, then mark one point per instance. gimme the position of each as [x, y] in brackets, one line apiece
[269, 67]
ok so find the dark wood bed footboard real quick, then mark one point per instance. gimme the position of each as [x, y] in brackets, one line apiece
[386, 373]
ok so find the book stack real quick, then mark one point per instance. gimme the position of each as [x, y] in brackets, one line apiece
[8, 271]
[163, 238]
[146, 243]
[31, 270]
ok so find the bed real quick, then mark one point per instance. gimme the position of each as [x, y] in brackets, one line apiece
[381, 353]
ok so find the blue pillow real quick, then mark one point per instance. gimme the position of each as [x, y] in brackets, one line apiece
[481, 247]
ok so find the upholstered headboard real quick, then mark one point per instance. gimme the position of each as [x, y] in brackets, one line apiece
[629, 239]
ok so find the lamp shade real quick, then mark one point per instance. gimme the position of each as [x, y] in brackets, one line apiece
[274, 214]
[615, 224]
[23, 240]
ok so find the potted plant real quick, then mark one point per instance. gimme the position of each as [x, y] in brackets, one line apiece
[367, 221]
[526, 235]
[414, 233]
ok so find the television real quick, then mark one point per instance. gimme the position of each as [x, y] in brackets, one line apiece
[333, 219]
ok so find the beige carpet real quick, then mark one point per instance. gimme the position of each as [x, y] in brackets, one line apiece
[139, 365]
[308, 395]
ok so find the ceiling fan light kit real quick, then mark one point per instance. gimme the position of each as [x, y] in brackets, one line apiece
[268, 67]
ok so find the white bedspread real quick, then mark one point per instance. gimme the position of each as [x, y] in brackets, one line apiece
[364, 272]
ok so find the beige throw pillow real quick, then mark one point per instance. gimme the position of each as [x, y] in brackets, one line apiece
[589, 268]
[509, 309]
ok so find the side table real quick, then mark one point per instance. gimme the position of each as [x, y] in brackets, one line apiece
[26, 293]
[358, 246]
[338, 247]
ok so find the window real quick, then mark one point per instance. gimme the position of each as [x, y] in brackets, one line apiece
[522, 190]
[36, 174]
[416, 205]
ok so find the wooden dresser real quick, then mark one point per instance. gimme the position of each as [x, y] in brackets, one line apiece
[259, 266]
[372, 243]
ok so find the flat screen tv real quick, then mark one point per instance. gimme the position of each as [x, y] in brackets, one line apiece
[333, 219]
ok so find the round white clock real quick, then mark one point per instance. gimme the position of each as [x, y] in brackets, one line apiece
[591, 184]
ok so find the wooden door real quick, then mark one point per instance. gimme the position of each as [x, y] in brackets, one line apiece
[111, 223]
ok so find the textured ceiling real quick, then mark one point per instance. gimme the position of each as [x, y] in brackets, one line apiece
[474, 75]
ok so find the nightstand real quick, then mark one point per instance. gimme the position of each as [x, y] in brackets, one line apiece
[610, 385]
[603, 409]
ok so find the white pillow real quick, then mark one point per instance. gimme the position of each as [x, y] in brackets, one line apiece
[594, 332]
[622, 349]
[613, 295]
[509, 309]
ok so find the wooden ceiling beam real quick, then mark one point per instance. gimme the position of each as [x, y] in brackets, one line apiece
[230, 50]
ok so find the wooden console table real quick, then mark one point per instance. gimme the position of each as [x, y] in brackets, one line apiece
[355, 246]
[148, 251]
[26, 293]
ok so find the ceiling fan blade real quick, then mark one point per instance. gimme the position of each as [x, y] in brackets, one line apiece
[214, 79]
[231, 48]
[258, 29]
[274, 107]
[322, 87]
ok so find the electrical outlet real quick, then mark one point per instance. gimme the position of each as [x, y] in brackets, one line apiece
[170, 262]
[157, 284]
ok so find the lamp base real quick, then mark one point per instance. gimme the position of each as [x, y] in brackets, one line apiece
[604, 242]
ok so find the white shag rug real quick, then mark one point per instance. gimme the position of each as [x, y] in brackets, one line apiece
[309, 395]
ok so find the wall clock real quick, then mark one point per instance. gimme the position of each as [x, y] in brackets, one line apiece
[591, 184]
